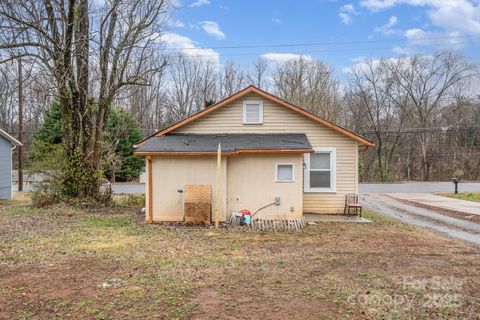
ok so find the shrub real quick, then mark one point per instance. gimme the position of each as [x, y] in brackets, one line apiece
[136, 200]
[42, 199]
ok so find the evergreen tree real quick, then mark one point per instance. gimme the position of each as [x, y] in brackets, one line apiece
[122, 132]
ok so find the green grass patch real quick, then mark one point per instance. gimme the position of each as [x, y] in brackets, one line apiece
[470, 196]
[374, 216]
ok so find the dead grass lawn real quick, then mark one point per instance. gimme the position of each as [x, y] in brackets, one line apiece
[67, 263]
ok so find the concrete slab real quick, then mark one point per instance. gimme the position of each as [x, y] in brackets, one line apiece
[436, 201]
[322, 218]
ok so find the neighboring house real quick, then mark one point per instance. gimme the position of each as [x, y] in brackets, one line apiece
[270, 148]
[7, 144]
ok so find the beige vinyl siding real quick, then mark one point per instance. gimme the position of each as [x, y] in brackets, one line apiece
[278, 119]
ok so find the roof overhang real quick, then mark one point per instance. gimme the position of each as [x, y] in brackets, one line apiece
[237, 152]
[252, 89]
[11, 139]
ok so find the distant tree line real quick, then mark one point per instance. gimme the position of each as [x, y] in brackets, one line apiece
[421, 110]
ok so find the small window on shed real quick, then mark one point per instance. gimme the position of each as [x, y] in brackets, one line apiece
[252, 112]
[284, 172]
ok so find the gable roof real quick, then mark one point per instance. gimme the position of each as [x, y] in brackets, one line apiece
[266, 95]
[11, 139]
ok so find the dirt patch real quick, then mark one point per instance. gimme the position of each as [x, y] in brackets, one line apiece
[70, 264]
[40, 285]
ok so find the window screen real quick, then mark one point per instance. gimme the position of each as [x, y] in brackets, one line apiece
[284, 172]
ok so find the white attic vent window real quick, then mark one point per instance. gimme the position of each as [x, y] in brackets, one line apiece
[252, 112]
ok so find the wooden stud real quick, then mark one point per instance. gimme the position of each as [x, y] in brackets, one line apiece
[219, 167]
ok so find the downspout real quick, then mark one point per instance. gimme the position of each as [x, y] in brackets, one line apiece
[150, 189]
[11, 170]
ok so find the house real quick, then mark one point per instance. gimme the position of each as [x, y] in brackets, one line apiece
[271, 152]
[7, 144]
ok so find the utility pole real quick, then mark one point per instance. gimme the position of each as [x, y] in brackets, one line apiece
[20, 125]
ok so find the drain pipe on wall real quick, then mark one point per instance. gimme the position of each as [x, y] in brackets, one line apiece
[277, 203]
[11, 170]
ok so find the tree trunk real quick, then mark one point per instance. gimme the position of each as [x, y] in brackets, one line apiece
[81, 176]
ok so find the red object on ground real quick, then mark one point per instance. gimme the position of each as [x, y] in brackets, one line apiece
[245, 212]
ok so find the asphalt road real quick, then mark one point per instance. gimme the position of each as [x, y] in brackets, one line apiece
[128, 188]
[427, 218]
[363, 187]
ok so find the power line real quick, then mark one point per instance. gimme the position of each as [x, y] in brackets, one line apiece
[323, 50]
[311, 44]
[419, 130]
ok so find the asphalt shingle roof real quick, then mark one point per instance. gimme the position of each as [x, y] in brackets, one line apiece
[230, 142]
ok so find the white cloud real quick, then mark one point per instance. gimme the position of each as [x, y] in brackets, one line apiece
[277, 15]
[418, 40]
[187, 47]
[441, 40]
[387, 28]
[451, 15]
[213, 29]
[283, 57]
[176, 24]
[375, 5]
[362, 64]
[346, 13]
[359, 63]
[200, 3]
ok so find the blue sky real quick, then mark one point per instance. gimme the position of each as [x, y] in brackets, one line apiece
[371, 28]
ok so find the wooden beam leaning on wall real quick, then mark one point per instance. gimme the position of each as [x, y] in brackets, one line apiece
[149, 191]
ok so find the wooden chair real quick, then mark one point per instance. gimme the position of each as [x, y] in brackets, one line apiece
[351, 201]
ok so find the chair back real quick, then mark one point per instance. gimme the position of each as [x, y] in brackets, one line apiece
[351, 198]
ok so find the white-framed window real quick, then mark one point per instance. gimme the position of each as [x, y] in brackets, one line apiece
[284, 172]
[320, 170]
[252, 112]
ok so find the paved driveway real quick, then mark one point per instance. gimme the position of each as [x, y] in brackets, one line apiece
[459, 228]
[432, 200]
[418, 187]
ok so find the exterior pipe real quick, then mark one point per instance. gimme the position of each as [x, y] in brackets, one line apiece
[11, 169]
[217, 200]
[150, 188]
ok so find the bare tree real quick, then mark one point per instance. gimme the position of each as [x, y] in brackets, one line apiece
[429, 84]
[258, 75]
[310, 84]
[232, 79]
[377, 107]
[91, 52]
[192, 84]
[147, 103]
